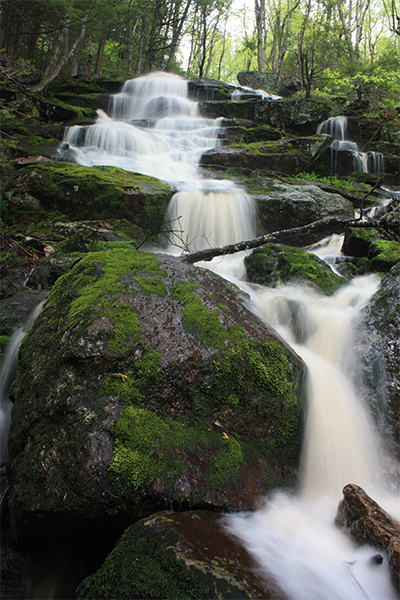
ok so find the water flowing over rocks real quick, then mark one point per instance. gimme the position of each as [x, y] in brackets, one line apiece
[364, 520]
[147, 383]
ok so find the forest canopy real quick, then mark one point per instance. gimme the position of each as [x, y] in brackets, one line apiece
[335, 47]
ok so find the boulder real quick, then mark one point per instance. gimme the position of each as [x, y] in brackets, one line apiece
[379, 348]
[379, 254]
[88, 193]
[283, 86]
[365, 521]
[147, 383]
[274, 263]
[301, 116]
[178, 555]
[283, 206]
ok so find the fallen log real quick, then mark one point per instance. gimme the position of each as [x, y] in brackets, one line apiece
[334, 224]
[367, 523]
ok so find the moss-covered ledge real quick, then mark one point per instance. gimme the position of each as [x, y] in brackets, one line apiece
[99, 192]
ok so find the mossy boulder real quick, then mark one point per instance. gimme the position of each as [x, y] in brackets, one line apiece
[146, 383]
[300, 116]
[379, 347]
[357, 241]
[180, 556]
[366, 243]
[274, 263]
[88, 193]
[384, 254]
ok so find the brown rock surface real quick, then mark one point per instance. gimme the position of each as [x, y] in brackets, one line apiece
[367, 523]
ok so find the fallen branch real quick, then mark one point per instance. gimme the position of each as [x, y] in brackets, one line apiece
[276, 236]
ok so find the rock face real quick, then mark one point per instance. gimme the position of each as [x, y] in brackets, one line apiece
[283, 86]
[283, 207]
[147, 383]
[380, 352]
[88, 193]
[178, 555]
[367, 523]
[293, 155]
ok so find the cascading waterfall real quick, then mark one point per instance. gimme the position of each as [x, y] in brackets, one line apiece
[365, 162]
[293, 537]
[153, 129]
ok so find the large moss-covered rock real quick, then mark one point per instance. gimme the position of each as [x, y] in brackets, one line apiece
[88, 193]
[274, 263]
[380, 352]
[179, 556]
[147, 383]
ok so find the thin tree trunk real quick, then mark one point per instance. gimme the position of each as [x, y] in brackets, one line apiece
[55, 66]
[90, 57]
[131, 33]
[100, 52]
[260, 25]
[141, 43]
[76, 58]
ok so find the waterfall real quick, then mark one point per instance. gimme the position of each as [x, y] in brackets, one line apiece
[293, 538]
[153, 128]
[7, 375]
[362, 161]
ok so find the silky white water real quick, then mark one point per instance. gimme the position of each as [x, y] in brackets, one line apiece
[365, 162]
[292, 538]
[8, 372]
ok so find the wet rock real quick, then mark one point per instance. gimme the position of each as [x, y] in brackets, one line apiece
[284, 206]
[89, 193]
[380, 351]
[283, 156]
[30, 160]
[364, 520]
[178, 555]
[147, 383]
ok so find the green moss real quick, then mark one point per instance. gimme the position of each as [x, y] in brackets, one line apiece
[272, 264]
[147, 448]
[144, 565]
[97, 192]
[4, 339]
[140, 370]
[386, 250]
[151, 285]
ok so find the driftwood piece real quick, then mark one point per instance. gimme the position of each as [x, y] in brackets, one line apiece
[367, 523]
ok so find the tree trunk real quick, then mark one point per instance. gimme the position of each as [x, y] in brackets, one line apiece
[141, 43]
[90, 57]
[131, 33]
[332, 224]
[76, 58]
[55, 65]
[260, 25]
[100, 52]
